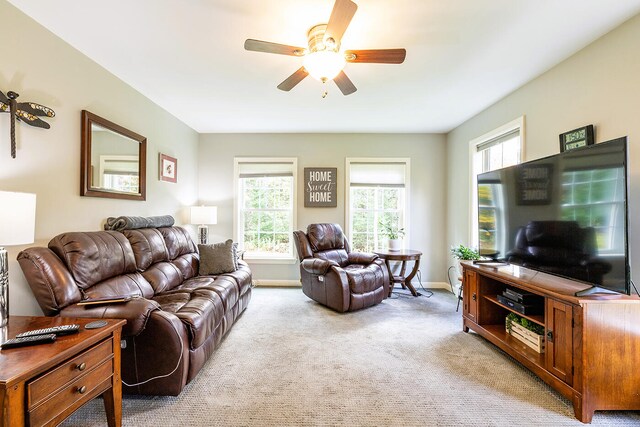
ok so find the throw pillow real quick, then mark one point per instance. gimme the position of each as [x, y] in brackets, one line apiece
[217, 258]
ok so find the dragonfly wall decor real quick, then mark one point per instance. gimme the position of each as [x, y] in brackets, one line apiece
[26, 112]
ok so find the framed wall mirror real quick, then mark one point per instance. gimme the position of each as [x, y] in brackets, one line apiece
[113, 160]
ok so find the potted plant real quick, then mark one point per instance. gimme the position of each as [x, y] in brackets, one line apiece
[464, 253]
[394, 234]
[526, 331]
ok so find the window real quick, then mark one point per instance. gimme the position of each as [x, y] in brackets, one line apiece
[266, 207]
[497, 149]
[119, 173]
[377, 196]
[595, 198]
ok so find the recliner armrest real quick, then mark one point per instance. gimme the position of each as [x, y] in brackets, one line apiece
[361, 258]
[136, 312]
[317, 265]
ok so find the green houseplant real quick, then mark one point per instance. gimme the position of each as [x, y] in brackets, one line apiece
[464, 253]
[394, 234]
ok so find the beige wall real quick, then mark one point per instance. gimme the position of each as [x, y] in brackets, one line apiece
[428, 160]
[599, 85]
[44, 69]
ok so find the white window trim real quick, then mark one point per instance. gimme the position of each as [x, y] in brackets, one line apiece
[236, 207]
[518, 123]
[407, 191]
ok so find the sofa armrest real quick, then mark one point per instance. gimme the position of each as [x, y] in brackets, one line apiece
[136, 312]
[361, 258]
[317, 265]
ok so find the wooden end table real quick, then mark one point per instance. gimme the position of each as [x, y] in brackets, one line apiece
[43, 384]
[403, 255]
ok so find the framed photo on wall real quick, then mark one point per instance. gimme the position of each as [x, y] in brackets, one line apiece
[168, 168]
[576, 138]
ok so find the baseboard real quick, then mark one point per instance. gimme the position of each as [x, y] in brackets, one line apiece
[271, 283]
[435, 285]
[275, 283]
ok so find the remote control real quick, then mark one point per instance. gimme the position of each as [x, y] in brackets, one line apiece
[56, 330]
[24, 341]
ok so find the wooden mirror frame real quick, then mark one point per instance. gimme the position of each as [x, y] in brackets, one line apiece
[86, 189]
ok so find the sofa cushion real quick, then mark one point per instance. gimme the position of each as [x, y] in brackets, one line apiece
[163, 276]
[178, 242]
[148, 246]
[199, 313]
[92, 257]
[217, 258]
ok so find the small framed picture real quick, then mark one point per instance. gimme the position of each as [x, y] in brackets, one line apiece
[168, 167]
[576, 138]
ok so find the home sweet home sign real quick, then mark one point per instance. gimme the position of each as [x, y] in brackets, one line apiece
[320, 187]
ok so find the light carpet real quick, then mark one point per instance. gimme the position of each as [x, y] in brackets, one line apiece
[406, 362]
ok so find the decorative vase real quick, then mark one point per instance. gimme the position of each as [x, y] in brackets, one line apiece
[395, 244]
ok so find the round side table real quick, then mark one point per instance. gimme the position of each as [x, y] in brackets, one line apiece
[403, 255]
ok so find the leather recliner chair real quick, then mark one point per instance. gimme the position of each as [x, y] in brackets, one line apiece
[559, 247]
[334, 276]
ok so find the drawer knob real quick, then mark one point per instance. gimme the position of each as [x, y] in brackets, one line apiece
[81, 367]
[82, 389]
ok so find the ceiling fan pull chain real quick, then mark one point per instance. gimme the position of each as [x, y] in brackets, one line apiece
[325, 92]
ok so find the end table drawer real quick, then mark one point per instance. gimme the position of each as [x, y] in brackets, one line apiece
[73, 395]
[46, 385]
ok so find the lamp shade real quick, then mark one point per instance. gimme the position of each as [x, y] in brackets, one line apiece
[204, 215]
[17, 218]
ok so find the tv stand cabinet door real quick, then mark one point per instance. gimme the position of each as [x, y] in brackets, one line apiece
[559, 340]
[470, 295]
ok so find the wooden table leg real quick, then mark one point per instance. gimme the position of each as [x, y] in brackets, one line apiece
[391, 282]
[403, 269]
[407, 280]
[113, 396]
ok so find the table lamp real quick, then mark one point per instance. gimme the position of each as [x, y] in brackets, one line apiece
[203, 215]
[17, 227]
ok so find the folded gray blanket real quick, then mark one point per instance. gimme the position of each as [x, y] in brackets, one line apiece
[134, 222]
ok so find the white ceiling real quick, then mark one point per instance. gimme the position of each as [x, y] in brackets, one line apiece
[462, 55]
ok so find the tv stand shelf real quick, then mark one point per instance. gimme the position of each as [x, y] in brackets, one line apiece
[535, 318]
[592, 348]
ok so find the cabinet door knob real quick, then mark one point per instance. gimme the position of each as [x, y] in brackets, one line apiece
[550, 336]
[81, 367]
[82, 389]
[473, 297]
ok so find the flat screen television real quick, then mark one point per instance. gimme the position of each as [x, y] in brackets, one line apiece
[564, 214]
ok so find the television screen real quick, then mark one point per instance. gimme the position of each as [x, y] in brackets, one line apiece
[565, 214]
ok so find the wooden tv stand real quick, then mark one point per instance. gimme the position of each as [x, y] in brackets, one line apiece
[592, 344]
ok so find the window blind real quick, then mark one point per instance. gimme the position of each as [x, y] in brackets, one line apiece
[499, 139]
[373, 174]
[264, 169]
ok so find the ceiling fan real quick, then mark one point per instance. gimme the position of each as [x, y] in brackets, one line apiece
[323, 59]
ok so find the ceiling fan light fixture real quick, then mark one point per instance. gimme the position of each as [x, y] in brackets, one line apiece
[324, 65]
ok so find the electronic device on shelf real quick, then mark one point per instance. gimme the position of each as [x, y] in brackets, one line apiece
[564, 215]
[527, 309]
[56, 330]
[25, 341]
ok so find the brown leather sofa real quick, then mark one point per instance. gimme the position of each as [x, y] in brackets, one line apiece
[336, 277]
[175, 320]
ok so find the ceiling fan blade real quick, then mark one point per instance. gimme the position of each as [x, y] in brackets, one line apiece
[377, 56]
[268, 47]
[345, 85]
[343, 11]
[295, 78]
